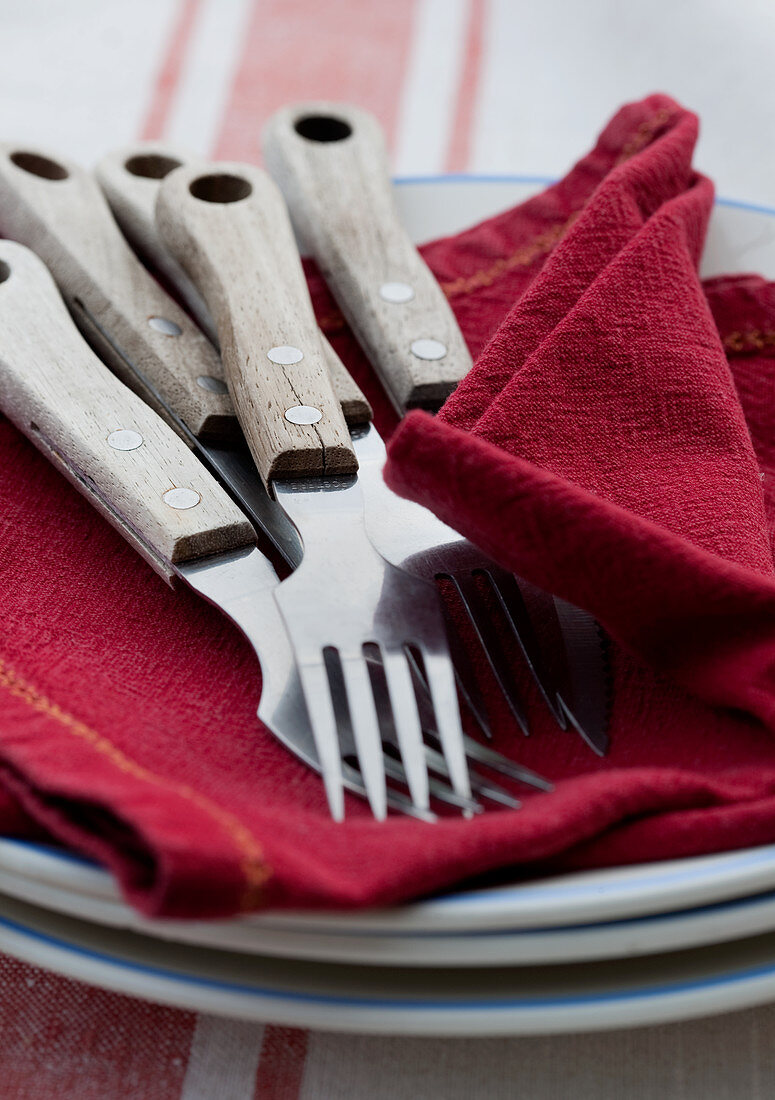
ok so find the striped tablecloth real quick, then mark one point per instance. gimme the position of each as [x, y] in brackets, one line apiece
[460, 86]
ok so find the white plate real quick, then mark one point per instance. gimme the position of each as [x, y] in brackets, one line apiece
[586, 897]
[507, 1001]
[80, 890]
[534, 921]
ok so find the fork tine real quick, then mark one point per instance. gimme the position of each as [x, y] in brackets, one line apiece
[474, 750]
[465, 675]
[441, 685]
[493, 793]
[510, 595]
[394, 769]
[315, 685]
[481, 787]
[353, 782]
[407, 724]
[491, 645]
[483, 754]
[562, 647]
[365, 729]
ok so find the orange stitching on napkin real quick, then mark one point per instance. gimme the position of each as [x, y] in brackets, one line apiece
[254, 869]
[749, 340]
[644, 134]
[545, 241]
[523, 257]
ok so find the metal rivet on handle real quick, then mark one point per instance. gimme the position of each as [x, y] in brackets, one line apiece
[125, 439]
[398, 293]
[285, 355]
[181, 498]
[163, 324]
[303, 414]
[212, 385]
[429, 349]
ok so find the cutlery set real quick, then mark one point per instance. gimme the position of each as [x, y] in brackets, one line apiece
[235, 452]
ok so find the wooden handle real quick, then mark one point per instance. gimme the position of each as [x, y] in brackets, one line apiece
[109, 443]
[58, 210]
[330, 162]
[228, 227]
[131, 178]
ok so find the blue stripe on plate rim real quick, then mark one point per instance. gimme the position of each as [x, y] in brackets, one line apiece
[547, 181]
[410, 1003]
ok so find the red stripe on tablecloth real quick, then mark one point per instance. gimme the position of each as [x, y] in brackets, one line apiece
[169, 74]
[338, 50]
[59, 1038]
[459, 153]
[281, 1065]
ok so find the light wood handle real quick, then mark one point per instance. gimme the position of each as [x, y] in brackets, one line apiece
[131, 178]
[330, 162]
[228, 227]
[58, 210]
[110, 444]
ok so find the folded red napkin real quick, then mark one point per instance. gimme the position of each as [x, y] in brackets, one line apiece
[601, 447]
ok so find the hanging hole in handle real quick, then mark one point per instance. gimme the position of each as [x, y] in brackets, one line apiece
[5, 271]
[151, 166]
[38, 165]
[322, 128]
[220, 187]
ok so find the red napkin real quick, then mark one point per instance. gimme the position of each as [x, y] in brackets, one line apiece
[601, 447]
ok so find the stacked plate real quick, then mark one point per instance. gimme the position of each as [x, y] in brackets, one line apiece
[637, 945]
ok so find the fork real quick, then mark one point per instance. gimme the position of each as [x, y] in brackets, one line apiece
[330, 162]
[228, 228]
[123, 458]
[131, 178]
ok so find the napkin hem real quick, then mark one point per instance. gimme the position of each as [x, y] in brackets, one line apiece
[253, 869]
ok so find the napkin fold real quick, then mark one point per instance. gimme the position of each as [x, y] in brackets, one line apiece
[600, 448]
[613, 443]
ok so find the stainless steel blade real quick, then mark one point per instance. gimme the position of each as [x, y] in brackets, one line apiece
[586, 701]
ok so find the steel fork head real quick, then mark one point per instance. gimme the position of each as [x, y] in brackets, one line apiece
[561, 646]
[342, 599]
